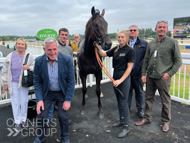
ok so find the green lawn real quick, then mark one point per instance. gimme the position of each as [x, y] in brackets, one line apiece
[181, 87]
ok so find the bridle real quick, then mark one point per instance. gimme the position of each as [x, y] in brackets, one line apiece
[97, 34]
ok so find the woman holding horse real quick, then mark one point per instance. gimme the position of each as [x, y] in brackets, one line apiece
[123, 59]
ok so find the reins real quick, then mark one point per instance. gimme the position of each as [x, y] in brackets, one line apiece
[105, 70]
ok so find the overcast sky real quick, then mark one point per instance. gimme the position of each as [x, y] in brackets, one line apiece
[26, 17]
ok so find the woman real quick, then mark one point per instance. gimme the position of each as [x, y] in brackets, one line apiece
[12, 76]
[68, 42]
[123, 58]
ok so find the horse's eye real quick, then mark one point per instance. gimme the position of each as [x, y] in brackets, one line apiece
[96, 26]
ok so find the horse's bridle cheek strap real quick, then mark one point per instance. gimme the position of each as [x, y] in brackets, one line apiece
[97, 34]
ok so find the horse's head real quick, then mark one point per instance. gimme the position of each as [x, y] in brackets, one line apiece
[98, 29]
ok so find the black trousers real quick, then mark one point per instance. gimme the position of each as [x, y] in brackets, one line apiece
[124, 113]
[137, 85]
[62, 115]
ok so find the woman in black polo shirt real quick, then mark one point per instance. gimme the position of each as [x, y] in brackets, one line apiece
[123, 59]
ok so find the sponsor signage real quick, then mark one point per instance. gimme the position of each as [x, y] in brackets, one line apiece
[46, 33]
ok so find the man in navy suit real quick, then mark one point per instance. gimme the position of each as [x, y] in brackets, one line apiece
[54, 79]
[139, 45]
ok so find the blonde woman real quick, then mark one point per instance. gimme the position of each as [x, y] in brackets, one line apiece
[12, 76]
[123, 59]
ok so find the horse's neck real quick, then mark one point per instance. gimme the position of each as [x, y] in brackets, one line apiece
[89, 48]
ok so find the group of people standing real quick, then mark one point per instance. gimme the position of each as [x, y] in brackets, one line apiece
[135, 62]
[54, 80]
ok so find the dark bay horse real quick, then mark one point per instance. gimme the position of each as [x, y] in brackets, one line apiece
[96, 30]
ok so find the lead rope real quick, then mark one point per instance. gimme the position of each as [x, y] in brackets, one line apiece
[105, 70]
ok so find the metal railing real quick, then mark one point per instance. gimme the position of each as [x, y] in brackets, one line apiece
[180, 88]
[91, 80]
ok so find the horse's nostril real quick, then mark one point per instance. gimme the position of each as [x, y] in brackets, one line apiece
[108, 44]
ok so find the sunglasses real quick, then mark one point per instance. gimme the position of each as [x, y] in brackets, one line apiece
[133, 30]
[162, 21]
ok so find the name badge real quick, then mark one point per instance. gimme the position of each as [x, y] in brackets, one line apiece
[155, 53]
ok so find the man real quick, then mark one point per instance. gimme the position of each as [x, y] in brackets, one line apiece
[74, 44]
[75, 48]
[162, 60]
[65, 49]
[53, 80]
[139, 45]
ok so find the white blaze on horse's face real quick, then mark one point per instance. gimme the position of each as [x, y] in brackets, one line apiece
[52, 51]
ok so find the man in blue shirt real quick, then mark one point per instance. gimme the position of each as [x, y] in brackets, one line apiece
[54, 79]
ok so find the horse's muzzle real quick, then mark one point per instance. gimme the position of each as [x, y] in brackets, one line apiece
[107, 45]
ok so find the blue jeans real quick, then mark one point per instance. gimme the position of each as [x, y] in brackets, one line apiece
[50, 115]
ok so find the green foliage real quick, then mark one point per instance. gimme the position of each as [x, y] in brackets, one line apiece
[143, 33]
[149, 33]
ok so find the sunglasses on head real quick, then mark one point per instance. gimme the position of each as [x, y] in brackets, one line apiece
[162, 21]
[133, 30]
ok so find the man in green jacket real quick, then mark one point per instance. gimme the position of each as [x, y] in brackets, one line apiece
[162, 60]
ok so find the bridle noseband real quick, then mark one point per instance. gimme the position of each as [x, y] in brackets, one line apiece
[97, 34]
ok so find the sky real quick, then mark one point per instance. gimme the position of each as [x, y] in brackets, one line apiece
[26, 17]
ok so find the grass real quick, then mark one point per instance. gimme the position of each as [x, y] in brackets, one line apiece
[181, 86]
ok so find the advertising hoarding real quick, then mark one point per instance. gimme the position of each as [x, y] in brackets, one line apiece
[181, 27]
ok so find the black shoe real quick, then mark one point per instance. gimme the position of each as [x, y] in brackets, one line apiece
[124, 132]
[140, 113]
[118, 124]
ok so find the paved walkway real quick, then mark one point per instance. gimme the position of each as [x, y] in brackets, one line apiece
[5, 51]
[89, 128]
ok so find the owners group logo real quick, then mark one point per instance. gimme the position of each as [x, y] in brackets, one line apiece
[32, 129]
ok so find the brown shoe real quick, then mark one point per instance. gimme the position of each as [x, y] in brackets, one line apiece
[142, 122]
[165, 127]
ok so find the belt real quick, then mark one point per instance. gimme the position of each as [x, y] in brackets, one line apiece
[54, 91]
[119, 69]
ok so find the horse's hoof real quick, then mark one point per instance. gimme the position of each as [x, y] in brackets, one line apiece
[82, 112]
[101, 115]
[86, 95]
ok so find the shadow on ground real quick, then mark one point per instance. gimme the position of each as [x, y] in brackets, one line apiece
[89, 128]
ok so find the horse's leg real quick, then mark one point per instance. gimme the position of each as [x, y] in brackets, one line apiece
[84, 89]
[98, 91]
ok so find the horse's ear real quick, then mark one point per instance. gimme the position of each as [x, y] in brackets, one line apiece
[93, 11]
[103, 12]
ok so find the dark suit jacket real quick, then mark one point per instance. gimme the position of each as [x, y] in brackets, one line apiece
[140, 50]
[65, 73]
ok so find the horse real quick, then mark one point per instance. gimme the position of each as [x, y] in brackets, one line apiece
[96, 30]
